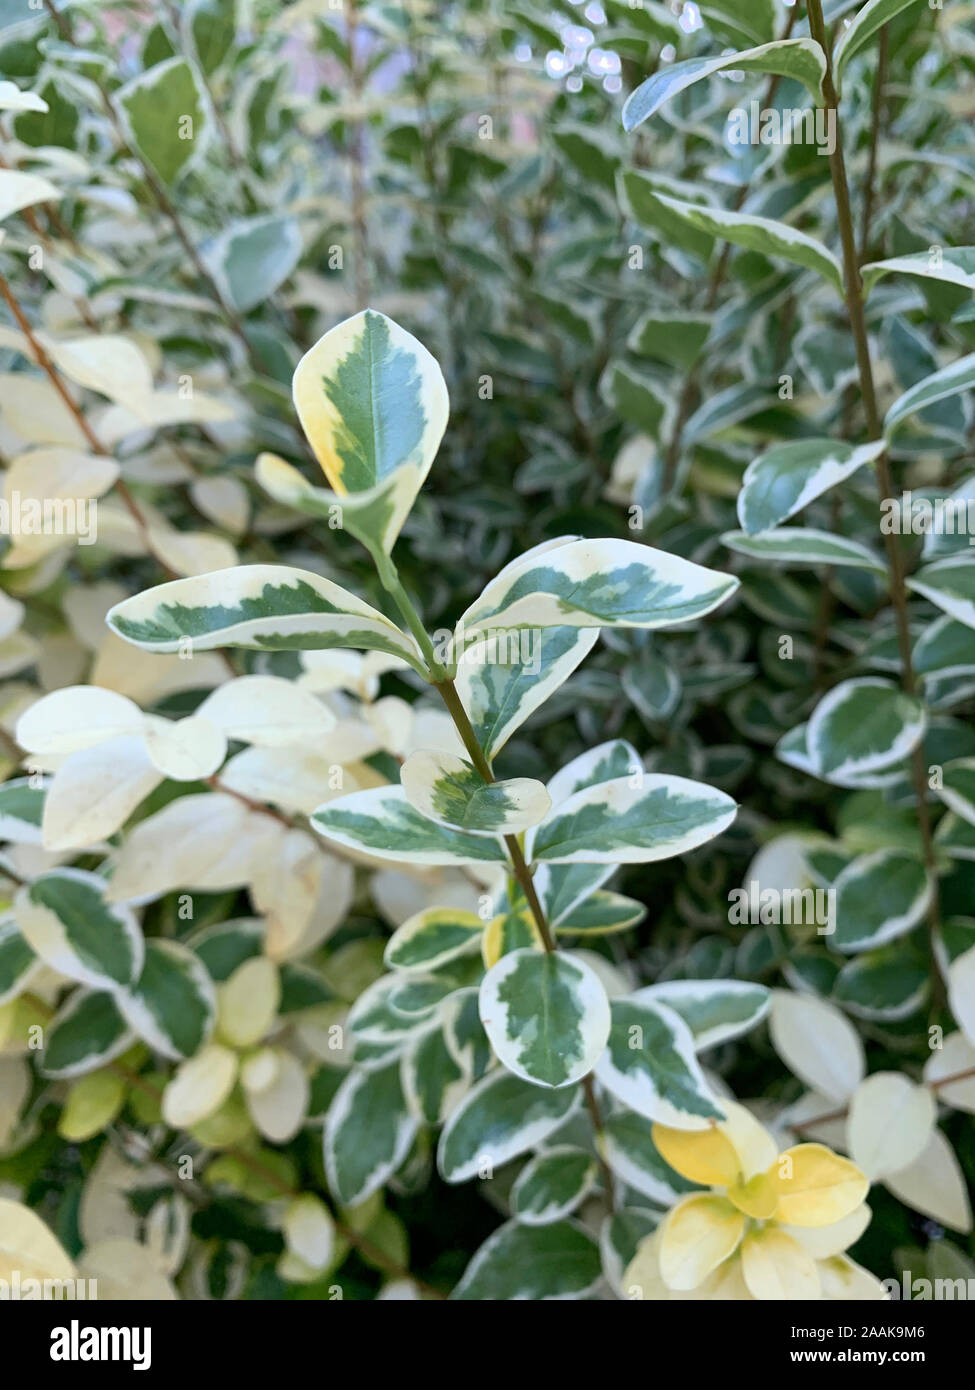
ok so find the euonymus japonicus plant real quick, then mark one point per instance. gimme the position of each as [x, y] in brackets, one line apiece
[167, 1067]
[502, 1029]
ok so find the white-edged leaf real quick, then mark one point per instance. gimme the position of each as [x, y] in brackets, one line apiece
[368, 1133]
[172, 1006]
[795, 545]
[65, 920]
[518, 1262]
[788, 477]
[381, 822]
[450, 791]
[546, 1014]
[714, 1010]
[500, 1118]
[948, 381]
[879, 897]
[866, 23]
[650, 1066]
[863, 725]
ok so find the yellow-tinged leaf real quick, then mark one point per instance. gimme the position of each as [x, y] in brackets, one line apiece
[200, 1086]
[698, 1234]
[248, 1001]
[752, 1142]
[93, 1102]
[823, 1242]
[725, 1285]
[642, 1279]
[27, 1245]
[777, 1268]
[703, 1155]
[757, 1198]
[816, 1186]
[842, 1278]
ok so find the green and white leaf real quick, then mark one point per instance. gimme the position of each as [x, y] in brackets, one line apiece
[602, 583]
[433, 1080]
[795, 545]
[173, 1004]
[861, 726]
[602, 914]
[949, 381]
[18, 963]
[374, 515]
[553, 1184]
[633, 1157]
[167, 117]
[250, 260]
[432, 938]
[66, 922]
[650, 1066]
[621, 823]
[22, 810]
[950, 585]
[866, 23]
[761, 234]
[263, 607]
[373, 404]
[450, 791]
[801, 59]
[86, 1032]
[607, 762]
[945, 648]
[500, 1118]
[788, 477]
[381, 822]
[879, 897]
[957, 787]
[545, 1263]
[955, 265]
[546, 1014]
[499, 694]
[714, 1010]
[368, 1133]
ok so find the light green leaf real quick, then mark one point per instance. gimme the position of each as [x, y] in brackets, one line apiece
[761, 234]
[500, 1118]
[368, 1133]
[867, 22]
[553, 1184]
[736, 19]
[950, 585]
[382, 822]
[603, 583]
[450, 791]
[714, 1010]
[862, 725]
[650, 1066]
[794, 545]
[265, 607]
[167, 117]
[879, 897]
[953, 264]
[547, 1016]
[622, 823]
[499, 693]
[173, 1005]
[250, 260]
[949, 381]
[802, 59]
[373, 404]
[85, 1033]
[518, 1262]
[432, 938]
[65, 920]
[788, 477]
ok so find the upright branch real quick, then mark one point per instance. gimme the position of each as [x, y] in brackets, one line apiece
[853, 295]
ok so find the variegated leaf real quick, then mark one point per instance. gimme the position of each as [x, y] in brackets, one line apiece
[500, 1118]
[265, 607]
[601, 583]
[621, 823]
[714, 1010]
[66, 921]
[547, 1016]
[650, 1066]
[451, 792]
[863, 725]
[432, 938]
[788, 477]
[373, 405]
[381, 822]
[368, 1132]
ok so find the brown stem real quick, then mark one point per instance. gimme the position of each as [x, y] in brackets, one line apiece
[357, 151]
[898, 591]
